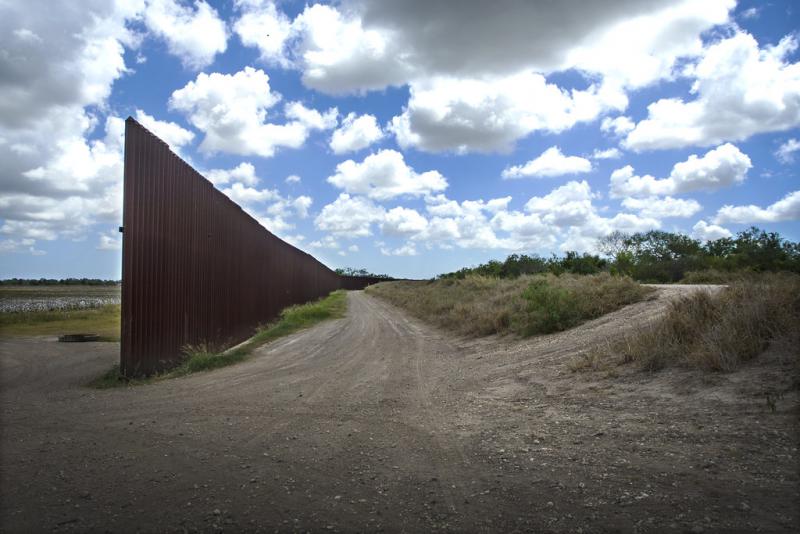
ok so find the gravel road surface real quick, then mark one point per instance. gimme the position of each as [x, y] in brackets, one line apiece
[378, 422]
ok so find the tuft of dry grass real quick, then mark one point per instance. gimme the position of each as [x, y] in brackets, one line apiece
[720, 331]
[528, 305]
[715, 276]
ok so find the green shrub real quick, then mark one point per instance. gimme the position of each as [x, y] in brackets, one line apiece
[548, 308]
[709, 276]
[202, 358]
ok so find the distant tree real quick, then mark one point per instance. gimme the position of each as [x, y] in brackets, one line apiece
[58, 282]
[659, 256]
[350, 271]
[762, 251]
[613, 243]
[583, 263]
[654, 256]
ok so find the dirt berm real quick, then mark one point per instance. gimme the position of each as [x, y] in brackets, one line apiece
[377, 422]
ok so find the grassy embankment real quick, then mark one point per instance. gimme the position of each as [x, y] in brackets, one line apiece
[717, 277]
[204, 358]
[714, 331]
[528, 305]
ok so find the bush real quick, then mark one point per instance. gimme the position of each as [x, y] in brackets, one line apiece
[549, 309]
[666, 257]
[517, 265]
[711, 276]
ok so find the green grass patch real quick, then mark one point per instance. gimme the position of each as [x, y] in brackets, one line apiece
[103, 321]
[204, 358]
[113, 379]
[528, 305]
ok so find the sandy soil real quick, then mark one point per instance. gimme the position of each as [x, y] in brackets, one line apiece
[379, 422]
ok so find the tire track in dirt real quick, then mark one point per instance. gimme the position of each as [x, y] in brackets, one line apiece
[423, 347]
[378, 421]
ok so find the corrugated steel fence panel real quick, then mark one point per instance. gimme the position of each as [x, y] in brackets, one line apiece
[195, 267]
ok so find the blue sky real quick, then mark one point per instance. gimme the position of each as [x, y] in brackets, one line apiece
[407, 138]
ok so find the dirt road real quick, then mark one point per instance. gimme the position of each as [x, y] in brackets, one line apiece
[379, 422]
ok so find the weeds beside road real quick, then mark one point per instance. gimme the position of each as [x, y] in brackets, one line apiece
[204, 358]
[528, 305]
[105, 322]
[719, 331]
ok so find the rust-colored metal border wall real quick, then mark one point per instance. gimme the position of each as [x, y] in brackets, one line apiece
[195, 267]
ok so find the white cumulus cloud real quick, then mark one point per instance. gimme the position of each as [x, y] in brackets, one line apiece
[20, 246]
[328, 241]
[109, 241]
[662, 208]
[552, 162]
[301, 205]
[385, 175]
[263, 26]
[403, 221]
[476, 72]
[785, 209]
[246, 196]
[721, 167]
[567, 205]
[491, 114]
[244, 173]
[741, 90]
[194, 34]
[709, 232]
[60, 145]
[785, 152]
[269, 207]
[609, 153]
[231, 110]
[349, 216]
[171, 133]
[371, 45]
[565, 218]
[618, 126]
[336, 54]
[355, 133]
[408, 249]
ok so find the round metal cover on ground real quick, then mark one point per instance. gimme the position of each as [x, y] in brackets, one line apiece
[75, 338]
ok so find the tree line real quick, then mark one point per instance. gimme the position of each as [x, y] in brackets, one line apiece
[58, 282]
[658, 257]
[350, 271]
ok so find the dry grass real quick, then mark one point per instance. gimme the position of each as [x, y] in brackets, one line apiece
[588, 361]
[719, 332]
[528, 305]
[714, 276]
